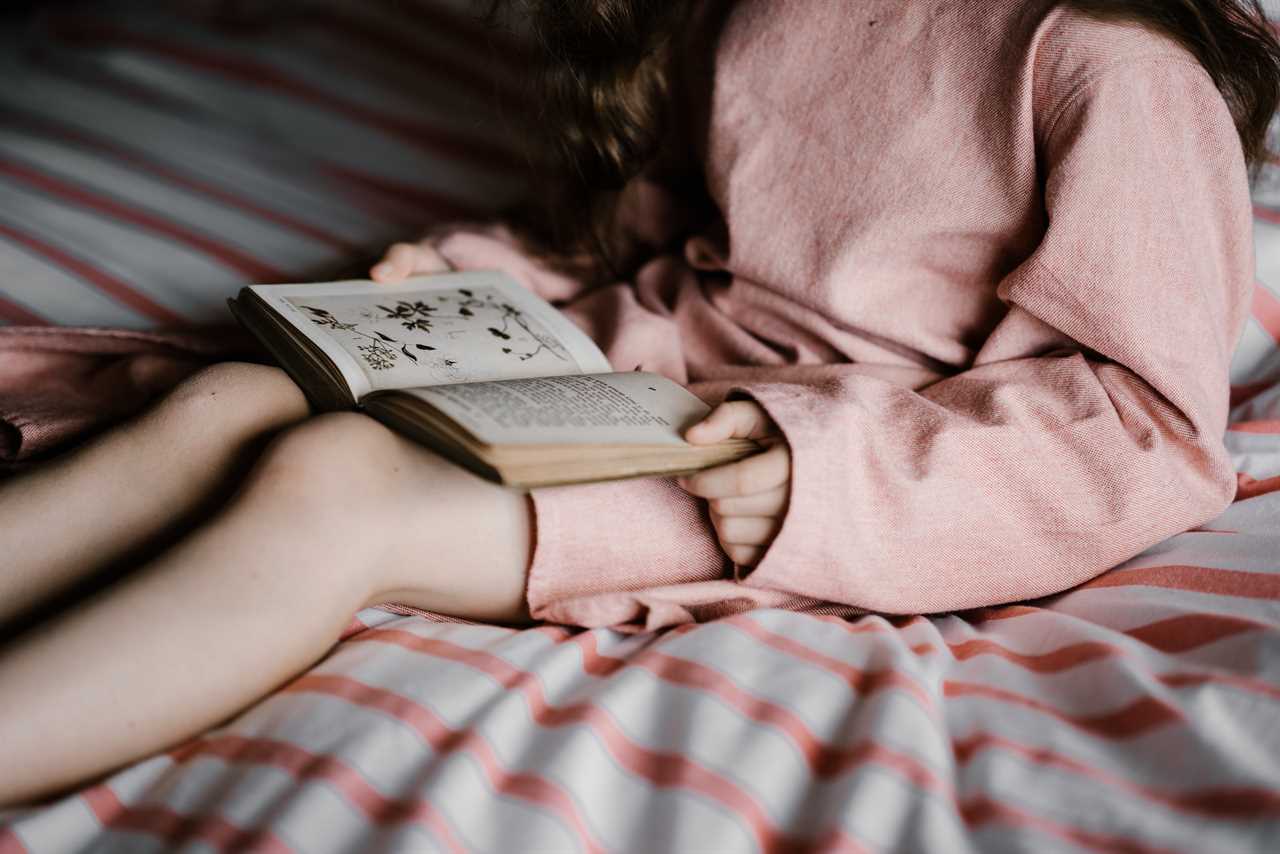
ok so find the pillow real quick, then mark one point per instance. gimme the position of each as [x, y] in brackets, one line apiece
[155, 157]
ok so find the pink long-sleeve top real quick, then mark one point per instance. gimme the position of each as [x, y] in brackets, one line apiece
[984, 263]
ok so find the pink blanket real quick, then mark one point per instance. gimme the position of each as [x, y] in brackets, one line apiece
[59, 384]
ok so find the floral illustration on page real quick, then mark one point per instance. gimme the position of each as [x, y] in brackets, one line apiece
[458, 334]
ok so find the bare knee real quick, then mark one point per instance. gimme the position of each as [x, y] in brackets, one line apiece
[230, 401]
[240, 387]
[420, 530]
[339, 464]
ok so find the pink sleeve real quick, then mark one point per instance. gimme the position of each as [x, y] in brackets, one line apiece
[648, 217]
[493, 246]
[1090, 424]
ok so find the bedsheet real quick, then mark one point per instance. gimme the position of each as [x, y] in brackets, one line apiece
[1139, 712]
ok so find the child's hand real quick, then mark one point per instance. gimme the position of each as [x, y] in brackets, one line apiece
[748, 498]
[408, 259]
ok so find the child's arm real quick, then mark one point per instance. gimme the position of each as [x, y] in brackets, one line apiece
[648, 216]
[1090, 424]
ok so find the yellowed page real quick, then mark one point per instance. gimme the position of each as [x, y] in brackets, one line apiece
[632, 408]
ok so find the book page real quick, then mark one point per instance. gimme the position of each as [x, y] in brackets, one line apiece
[636, 407]
[435, 330]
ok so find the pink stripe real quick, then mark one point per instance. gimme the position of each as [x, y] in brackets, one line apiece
[175, 828]
[158, 99]
[10, 843]
[445, 740]
[1247, 487]
[1265, 213]
[1129, 721]
[1240, 802]
[1266, 310]
[1076, 654]
[836, 841]
[1178, 634]
[480, 152]
[977, 616]
[304, 765]
[1242, 683]
[980, 811]
[1137, 718]
[1244, 393]
[1193, 579]
[1264, 427]
[1172, 635]
[135, 159]
[660, 769]
[1175, 634]
[824, 760]
[117, 289]
[228, 256]
[1055, 661]
[1186, 632]
[16, 314]
[863, 681]
[355, 627]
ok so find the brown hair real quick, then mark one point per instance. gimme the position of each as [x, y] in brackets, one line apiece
[607, 75]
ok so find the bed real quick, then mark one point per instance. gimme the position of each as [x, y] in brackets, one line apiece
[155, 157]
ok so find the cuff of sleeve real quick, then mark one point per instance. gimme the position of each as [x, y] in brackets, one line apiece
[601, 548]
[493, 246]
[803, 557]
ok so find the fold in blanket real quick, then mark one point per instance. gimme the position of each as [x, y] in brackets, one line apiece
[58, 384]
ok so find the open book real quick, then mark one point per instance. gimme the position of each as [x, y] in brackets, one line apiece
[484, 372]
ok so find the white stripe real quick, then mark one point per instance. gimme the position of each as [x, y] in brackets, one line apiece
[183, 280]
[567, 755]
[325, 135]
[50, 292]
[267, 173]
[227, 226]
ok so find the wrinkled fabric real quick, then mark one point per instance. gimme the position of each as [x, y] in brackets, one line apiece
[985, 265]
[56, 383]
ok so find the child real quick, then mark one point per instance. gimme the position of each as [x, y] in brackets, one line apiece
[980, 268]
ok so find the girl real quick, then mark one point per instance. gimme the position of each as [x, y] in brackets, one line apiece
[980, 265]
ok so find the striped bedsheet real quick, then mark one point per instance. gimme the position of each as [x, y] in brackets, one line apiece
[143, 179]
[1138, 713]
[153, 161]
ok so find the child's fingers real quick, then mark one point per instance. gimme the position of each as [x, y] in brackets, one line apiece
[732, 419]
[406, 259]
[745, 530]
[396, 264]
[769, 503]
[743, 555]
[757, 473]
[429, 260]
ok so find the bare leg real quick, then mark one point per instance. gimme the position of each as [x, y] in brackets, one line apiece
[339, 513]
[63, 520]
